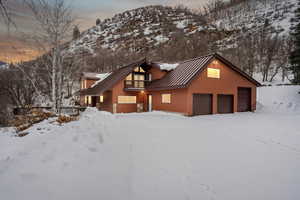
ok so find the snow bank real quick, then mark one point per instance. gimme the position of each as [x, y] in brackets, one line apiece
[284, 99]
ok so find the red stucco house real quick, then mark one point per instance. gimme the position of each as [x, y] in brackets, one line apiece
[205, 85]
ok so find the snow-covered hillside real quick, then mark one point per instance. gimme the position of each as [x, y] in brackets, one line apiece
[160, 156]
[150, 26]
[256, 13]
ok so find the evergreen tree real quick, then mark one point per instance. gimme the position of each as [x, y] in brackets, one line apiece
[295, 55]
[98, 21]
[76, 33]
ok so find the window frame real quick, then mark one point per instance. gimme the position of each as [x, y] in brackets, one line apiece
[213, 73]
[122, 102]
[169, 98]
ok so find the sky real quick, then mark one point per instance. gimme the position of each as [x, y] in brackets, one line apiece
[89, 10]
[13, 48]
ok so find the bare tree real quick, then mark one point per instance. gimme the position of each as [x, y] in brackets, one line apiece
[55, 21]
[281, 60]
[5, 14]
[15, 86]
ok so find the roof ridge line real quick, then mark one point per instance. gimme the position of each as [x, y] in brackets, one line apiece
[192, 59]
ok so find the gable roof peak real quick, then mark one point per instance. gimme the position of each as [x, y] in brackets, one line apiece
[200, 57]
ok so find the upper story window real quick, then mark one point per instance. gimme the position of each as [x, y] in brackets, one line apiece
[83, 84]
[129, 77]
[213, 73]
[139, 69]
[137, 78]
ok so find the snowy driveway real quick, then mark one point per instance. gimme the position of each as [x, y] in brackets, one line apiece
[158, 156]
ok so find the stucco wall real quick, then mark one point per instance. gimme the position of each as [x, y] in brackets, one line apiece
[106, 105]
[118, 90]
[178, 101]
[156, 73]
[228, 83]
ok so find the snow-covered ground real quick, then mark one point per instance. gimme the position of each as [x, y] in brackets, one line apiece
[160, 155]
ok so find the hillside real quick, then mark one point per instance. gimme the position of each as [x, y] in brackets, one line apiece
[166, 156]
[143, 27]
[147, 27]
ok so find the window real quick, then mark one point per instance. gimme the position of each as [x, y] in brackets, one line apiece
[88, 100]
[101, 99]
[213, 73]
[139, 69]
[166, 98]
[126, 99]
[139, 80]
[129, 77]
[83, 84]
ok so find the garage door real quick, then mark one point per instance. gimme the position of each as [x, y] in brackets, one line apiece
[202, 104]
[225, 103]
[244, 99]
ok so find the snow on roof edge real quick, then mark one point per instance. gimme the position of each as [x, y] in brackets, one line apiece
[101, 78]
[167, 66]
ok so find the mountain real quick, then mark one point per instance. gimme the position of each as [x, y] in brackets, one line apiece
[148, 27]
[139, 28]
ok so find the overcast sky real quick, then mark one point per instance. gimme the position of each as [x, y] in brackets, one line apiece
[89, 10]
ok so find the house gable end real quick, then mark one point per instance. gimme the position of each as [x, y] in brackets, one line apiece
[223, 62]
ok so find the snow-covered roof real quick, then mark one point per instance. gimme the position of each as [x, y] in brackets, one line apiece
[92, 75]
[101, 78]
[167, 66]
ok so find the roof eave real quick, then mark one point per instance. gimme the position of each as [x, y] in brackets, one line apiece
[248, 77]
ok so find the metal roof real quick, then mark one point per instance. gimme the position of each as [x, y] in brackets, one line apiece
[185, 72]
[111, 80]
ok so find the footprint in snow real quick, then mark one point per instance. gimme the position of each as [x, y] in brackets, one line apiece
[28, 176]
[92, 149]
[75, 139]
[100, 138]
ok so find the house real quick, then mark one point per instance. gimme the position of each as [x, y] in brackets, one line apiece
[205, 85]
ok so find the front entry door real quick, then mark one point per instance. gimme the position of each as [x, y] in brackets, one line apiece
[94, 101]
[149, 103]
